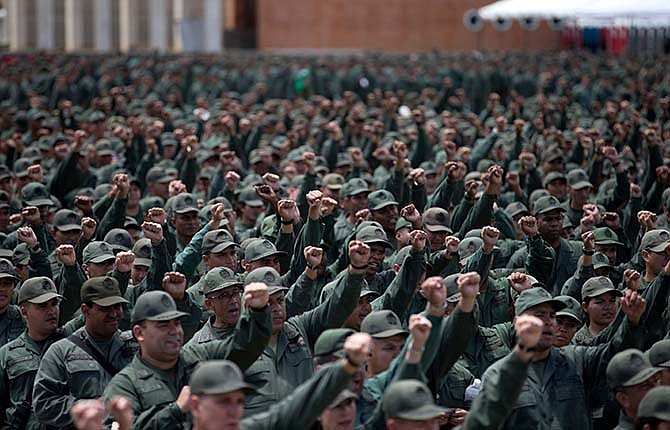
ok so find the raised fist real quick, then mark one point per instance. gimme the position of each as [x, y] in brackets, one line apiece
[528, 225]
[174, 283]
[65, 254]
[359, 253]
[256, 295]
[27, 236]
[152, 231]
[124, 261]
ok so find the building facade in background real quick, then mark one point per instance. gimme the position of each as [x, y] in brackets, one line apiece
[213, 25]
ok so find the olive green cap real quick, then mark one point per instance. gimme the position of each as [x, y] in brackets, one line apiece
[268, 276]
[436, 219]
[67, 220]
[102, 290]
[411, 400]
[605, 236]
[469, 246]
[451, 285]
[334, 181]
[36, 194]
[119, 239]
[578, 179]
[655, 404]
[216, 241]
[219, 278]
[142, 251]
[659, 353]
[38, 290]
[98, 252]
[547, 204]
[533, 297]
[572, 308]
[552, 176]
[402, 223]
[345, 394]
[382, 324]
[155, 306]
[331, 342]
[600, 260]
[184, 203]
[260, 248]
[7, 270]
[380, 199]
[628, 368]
[516, 208]
[655, 240]
[373, 234]
[21, 255]
[598, 285]
[354, 186]
[218, 377]
[249, 197]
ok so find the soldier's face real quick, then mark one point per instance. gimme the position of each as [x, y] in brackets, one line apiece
[359, 314]
[355, 203]
[601, 309]
[383, 352]
[226, 258]
[160, 340]
[42, 318]
[187, 224]
[271, 261]
[102, 321]
[547, 314]
[566, 327]
[377, 254]
[278, 311]
[436, 239]
[6, 291]
[386, 216]
[218, 411]
[609, 251]
[550, 224]
[138, 273]
[341, 417]
[226, 305]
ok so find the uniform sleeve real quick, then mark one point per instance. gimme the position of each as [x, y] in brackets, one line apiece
[114, 218]
[299, 297]
[39, 264]
[187, 261]
[399, 293]
[302, 408]
[51, 395]
[501, 386]
[69, 285]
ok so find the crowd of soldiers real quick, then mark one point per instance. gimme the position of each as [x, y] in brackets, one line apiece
[255, 241]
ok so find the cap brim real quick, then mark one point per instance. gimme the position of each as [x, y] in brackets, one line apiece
[557, 304]
[187, 210]
[381, 241]
[142, 262]
[104, 152]
[454, 298]
[600, 266]
[269, 254]
[365, 293]
[608, 242]
[436, 228]
[101, 259]
[581, 184]
[69, 227]
[44, 298]
[224, 286]
[253, 203]
[383, 205]
[228, 387]
[660, 247]
[8, 275]
[358, 191]
[424, 412]
[162, 179]
[344, 395]
[222, 246]
[109, 301]
[602, 291]
[334, 186]
[565, 313]
[275, 289]
[389, 333]
[167, 316]
[550, 209]
[40, 202]
[641, 376]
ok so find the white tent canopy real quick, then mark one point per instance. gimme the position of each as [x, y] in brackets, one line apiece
[600, 13]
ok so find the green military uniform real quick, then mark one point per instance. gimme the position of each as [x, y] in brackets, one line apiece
[593, 287]
[494, 300]
[655, 405]
[20, 359]
[68, 372]
[278, 371]
[454, 384]
[153, 391]
[11, 322]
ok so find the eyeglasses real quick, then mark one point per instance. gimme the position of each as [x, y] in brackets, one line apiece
[227, 296]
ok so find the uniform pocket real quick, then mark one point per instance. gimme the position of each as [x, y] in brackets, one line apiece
[85, 378]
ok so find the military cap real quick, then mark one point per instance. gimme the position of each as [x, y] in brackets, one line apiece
[345, 394]
[5, 172]
[151, 202]
[334, 181]
[184, 203]
[516, 208]
[218, 377]
[36, 115]
[553, 176]
[217, 241]
[655, 240]
[547, 204]
[268, 276]
[380, 199]
[353, 187]
[572, 308]
[67, 220]
[21, 255]
[131, 223]
[597, 286]
[436, 219]
[451, 285]
[628, 368]
[533, 297]
[605, 236]
[36, 194]
[552, 153]
[659, 354]
[474, 175]
[96, 116]
[655, 404]
[249, 197]
[411, 400]
[402, 253]
[98, 252]
[331, 342]
[219, 278]
[535, 195]
[158, 175]
[7, 270]
[250, 180]
[38, 290]
[58, 138]
[155, 306]
[402, 223]
[142, 251]
[227, 207]
[429, 168]
[382, 324]
[343, 159]
[469, 246]
[600, 261]
[102, 290]
[119, 239]
[372, 234]
[578, 179]
[104, 147]
[21, 169]
[5, 253]
[260, 248]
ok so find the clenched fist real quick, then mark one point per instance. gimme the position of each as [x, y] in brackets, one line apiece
[256, 295]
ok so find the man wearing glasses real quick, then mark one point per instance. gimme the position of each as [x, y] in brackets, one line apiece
[19, 359]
